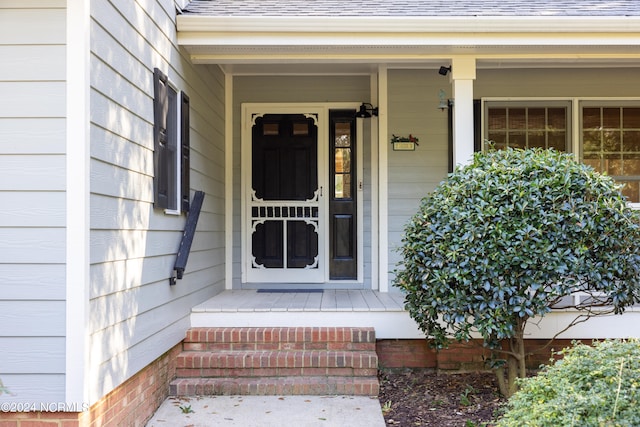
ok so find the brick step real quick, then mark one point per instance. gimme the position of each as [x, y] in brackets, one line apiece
[294, 359]
[270, 386]
[280, 338]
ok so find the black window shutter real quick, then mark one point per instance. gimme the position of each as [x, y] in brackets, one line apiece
[160, 113]
[477, 125]
[184, 141]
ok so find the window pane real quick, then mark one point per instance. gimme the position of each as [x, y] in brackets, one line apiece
[611, 141]
[590, 118]
[517, 140]
[613, 166]
[591, 140]
[537, 140]
[611, 118]
[497, 118]
[498, 138]
[343, 160]
[557, 118]
[339, 186]
[536, 118]
[346, 188]
[631, 140]
[557, 140]
[301, 129]
[517, 118]
[631, 191]
[271, 129]
[631, 164]
[343, 134]
[592, 160]
[631, 118]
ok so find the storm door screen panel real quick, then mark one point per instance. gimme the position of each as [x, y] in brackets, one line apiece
[343, 263]
[285, 198]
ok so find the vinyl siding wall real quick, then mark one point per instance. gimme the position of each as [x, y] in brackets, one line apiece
[413, 98]
[135, 316]
[32, 189]
[296, 89]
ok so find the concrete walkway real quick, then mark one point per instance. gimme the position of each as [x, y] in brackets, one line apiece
[276, 411]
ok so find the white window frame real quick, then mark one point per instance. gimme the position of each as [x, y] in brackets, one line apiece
[529, 103]
[177, 172]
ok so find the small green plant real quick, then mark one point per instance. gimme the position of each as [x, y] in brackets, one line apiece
[386, 407]
[470, 423]
[186, 409]
[464, 396]
[3, 389]
[590, 387]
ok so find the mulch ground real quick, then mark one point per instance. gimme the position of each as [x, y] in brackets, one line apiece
[422, 397]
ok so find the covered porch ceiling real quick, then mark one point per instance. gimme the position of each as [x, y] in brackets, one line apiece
[357, 45]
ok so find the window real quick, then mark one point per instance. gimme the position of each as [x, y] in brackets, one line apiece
[608, 134]
[610, 142]
[528, 125]
[171, 146]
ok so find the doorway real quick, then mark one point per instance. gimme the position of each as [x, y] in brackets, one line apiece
[300, 196]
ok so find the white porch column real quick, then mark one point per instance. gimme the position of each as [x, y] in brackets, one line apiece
[463, 73]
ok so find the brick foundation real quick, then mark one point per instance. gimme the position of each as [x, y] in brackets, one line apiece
[131, 404]
[458, 357]
[134, 402]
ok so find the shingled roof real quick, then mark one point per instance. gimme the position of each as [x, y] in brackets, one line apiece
[423, 8]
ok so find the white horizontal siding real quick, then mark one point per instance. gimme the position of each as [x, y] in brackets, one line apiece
[32, 135]
[32, 319]
[28, 245]
[135, 315]
[33, 388]
[413, 174]
[620, 82]
[32, 188]
[32, 172]
[120, 182]
[127, 362]
[32, 99]
[33, 209]
[13, 358]
[115, 150]
[120, 276]
[30, 26]
[32, 282]
[32, 63]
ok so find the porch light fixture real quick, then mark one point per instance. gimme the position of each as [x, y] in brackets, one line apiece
[444, 103]
[443, 71]
[367, 110]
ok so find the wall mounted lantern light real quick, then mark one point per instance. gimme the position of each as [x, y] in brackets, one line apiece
[444, 103]
[367, 110]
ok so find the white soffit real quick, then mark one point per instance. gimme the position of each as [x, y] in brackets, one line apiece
[393, 40]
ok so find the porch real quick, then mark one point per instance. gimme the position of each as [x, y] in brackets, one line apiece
[367, 308]
[310, 308]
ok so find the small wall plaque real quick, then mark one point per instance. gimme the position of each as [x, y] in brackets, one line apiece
[404, 146]
[404, 143]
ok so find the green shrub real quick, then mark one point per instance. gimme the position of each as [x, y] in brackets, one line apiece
[591, 386]
[504, 239]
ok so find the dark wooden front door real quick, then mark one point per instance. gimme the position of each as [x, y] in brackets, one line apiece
[343, 262]
[285, 200]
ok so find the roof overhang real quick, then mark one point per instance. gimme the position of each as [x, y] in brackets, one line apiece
[355, 43]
